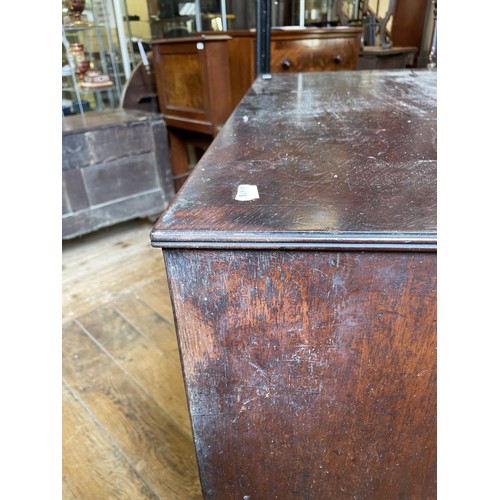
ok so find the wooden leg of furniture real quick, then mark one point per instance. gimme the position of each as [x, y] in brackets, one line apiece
[180, 160]
[180, 140]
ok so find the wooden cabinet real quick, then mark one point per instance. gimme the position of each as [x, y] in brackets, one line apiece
[186, 75]
[306, 316]
[192, 78]
[391, 58]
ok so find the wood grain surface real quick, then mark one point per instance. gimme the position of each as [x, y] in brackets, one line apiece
[310, 374]
[94, 467]
[192, 78]
[337, 157]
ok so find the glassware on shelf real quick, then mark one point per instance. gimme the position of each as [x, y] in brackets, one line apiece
[75, 15]
[93, 63]
[95, 79]
[80, 62]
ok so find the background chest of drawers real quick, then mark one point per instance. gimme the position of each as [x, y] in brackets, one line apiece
[292, 50]
[314, 50]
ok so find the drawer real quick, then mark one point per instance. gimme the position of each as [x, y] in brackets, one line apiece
[314, 55]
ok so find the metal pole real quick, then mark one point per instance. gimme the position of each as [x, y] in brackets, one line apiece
[197, 13]
[121, 38]
[263, 42]
[432, 65]
[223, 14]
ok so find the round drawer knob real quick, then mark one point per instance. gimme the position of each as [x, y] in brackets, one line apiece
[286, 63]
[337, 59]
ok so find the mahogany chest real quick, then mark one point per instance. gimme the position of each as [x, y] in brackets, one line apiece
[305, 301]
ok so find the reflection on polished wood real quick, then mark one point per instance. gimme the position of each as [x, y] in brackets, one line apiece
[126, 429]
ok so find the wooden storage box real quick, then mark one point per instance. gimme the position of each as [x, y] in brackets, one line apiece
[306, 317]
[115, 167]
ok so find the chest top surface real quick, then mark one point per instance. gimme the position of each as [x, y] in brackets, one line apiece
[339, 159]
[96, 120]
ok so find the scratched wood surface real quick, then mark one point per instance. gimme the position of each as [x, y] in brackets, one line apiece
[334, 155]
[126, 429]
[310, 374]
[307, 317]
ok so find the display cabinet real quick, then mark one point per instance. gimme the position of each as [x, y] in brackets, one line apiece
[174, 18]
[95, 61]
[380, 20]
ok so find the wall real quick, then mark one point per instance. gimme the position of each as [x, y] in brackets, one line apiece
[383, 5]
[140, 29]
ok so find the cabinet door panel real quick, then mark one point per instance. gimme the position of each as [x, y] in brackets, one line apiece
[192, 78]
[185, 90]
[183, 81]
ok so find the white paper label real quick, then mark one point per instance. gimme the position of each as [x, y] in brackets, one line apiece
[200, 46]
[247, 192]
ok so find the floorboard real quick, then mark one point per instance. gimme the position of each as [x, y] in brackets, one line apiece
[126, 428]
[90, 453]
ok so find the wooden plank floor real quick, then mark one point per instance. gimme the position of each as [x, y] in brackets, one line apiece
[125, 425]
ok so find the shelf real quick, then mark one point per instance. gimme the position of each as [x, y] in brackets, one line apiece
[85, 90]
[100, 34]
[83, 27]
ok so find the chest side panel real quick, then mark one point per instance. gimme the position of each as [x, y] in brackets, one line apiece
[309, 374]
